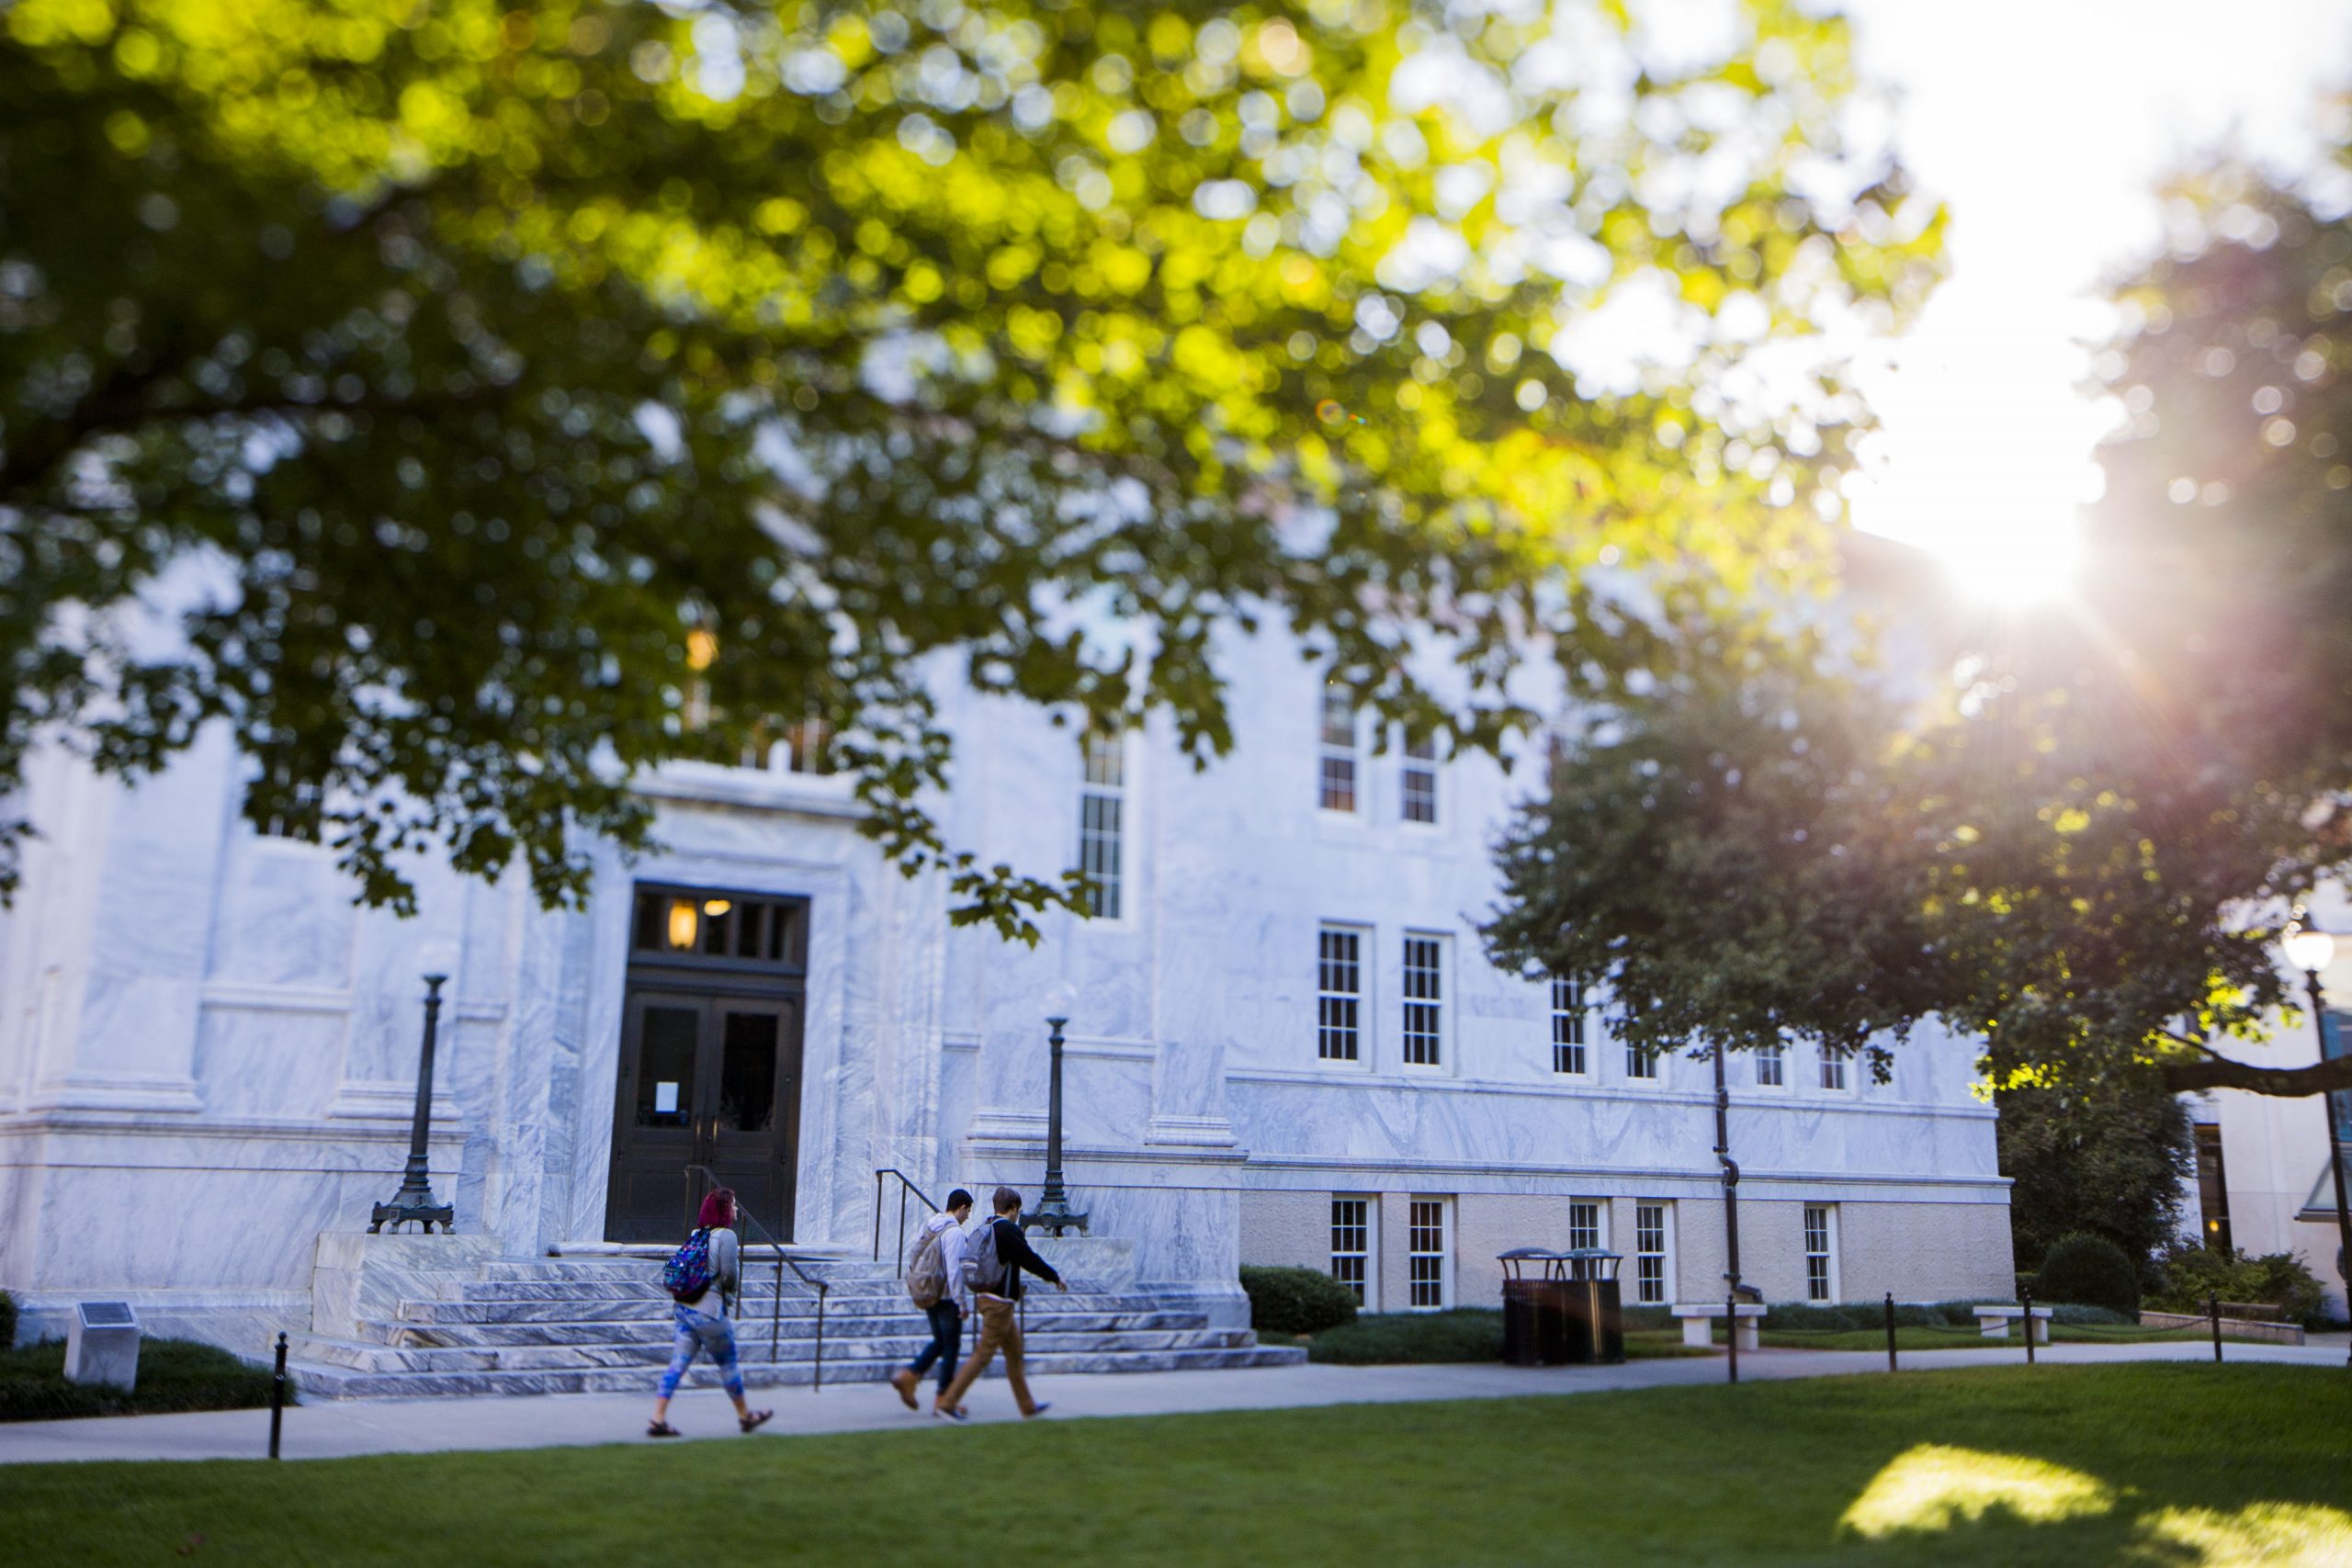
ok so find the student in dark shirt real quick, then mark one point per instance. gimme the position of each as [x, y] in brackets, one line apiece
[998, 1296]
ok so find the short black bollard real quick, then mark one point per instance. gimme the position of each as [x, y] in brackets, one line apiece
[2214, 1307]
[278, 1397]
[1889, 1331]
[2028, 1326]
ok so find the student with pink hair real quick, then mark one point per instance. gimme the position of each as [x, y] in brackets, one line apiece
[700, 1277]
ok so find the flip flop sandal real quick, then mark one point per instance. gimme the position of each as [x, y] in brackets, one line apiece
[663, 1430]
[755, 1420]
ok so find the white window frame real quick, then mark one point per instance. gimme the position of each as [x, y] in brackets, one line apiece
[1331, 754]
[1108, 898]
[1645, 1066]
[1821, 1252]
[1835, 1076]
[1428, 1272]
[1418, 779]
[1771, 1066]
[1653, 1252]
[1571, 1054]
[1367, 1256]
[1597, 1234]
[1328, 1002]
[1427, 1011]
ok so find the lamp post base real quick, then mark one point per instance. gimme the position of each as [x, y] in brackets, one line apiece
[1055, 1215]
[414, 1208]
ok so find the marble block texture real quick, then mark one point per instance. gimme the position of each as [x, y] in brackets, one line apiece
[207, 1050]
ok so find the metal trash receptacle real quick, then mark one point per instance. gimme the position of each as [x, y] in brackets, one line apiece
[1595, 1326]
[1536, 1327]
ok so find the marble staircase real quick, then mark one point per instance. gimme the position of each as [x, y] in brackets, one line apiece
[603, 1324]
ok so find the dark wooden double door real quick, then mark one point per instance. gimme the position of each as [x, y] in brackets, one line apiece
[708, 1078]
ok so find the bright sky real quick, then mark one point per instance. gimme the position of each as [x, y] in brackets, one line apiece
[2045, 126]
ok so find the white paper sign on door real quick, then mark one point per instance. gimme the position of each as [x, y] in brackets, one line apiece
[665, 1098]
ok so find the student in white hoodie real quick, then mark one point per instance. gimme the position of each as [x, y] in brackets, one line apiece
[947, 1313]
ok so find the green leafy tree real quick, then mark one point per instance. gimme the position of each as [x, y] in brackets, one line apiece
[492, 400]
[2110, 1159]
[2081, 845]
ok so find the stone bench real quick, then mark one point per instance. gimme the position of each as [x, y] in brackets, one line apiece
[1994, 1322]
[1699, 1321]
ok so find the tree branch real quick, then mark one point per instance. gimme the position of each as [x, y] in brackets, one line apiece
[2220, 1072]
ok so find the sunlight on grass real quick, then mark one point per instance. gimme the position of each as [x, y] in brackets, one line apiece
[1933, 1488]
[2277, 1535]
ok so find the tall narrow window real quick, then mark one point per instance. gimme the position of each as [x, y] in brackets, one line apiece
[1771, 1066]
[2212, 1187]
[1833, 1067]
[1652, 1239]
[1424, 1000]
[1339, 993]
[1568, 1027]
[1426, 1252]
[1338, 792]
[1641, 1062]
[1584, 1224]
[1352, 1244]
[1420, 791]
[1820, 1253]
[1101, 823]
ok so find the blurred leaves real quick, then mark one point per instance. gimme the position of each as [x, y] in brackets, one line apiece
[437, 372]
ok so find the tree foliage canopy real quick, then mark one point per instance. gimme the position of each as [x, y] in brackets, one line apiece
[505, 398]
[2080, 832]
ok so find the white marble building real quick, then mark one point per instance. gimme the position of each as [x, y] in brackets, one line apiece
[206, 1052]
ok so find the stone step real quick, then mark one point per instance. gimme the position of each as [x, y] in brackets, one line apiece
[657, 1331]
[366, 1356]
[319, 1382]
[570, 1307]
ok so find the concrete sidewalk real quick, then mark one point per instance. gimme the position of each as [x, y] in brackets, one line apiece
[424, 1426]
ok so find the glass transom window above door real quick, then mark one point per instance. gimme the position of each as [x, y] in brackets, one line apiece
[707, 928]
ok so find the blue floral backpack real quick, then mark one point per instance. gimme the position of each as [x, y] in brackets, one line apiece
[688, 1274]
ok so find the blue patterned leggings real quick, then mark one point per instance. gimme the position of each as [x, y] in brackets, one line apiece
[706, 1331]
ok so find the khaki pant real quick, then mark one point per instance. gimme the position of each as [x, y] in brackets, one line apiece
[1000, 1330]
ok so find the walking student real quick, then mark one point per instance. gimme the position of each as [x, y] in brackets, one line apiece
[993, 1265]
[935, 1283]
[700, 1276]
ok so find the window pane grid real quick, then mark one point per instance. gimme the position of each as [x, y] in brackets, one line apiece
[1583, 1226]
[1337, 790]
[1419, 792]
[1771, 1066]
[1833, 1067]
[1424, 1004]
[1425, 1250]
[1101, 822]
[1351, 1243]
[1338, 994]
[1641, 1063]
[1816, 1253]
[1649, 1252]
[1568, 1027]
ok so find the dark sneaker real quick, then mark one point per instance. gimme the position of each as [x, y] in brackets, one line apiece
[951, 1413]
[1043, 1405]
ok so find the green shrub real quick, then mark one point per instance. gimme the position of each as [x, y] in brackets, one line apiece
[2070, 1313]
[174, 1374]
[2089, 1271]
[1296, 1301]
[2194, 1273]
[7, 1321]
[1465, 1334]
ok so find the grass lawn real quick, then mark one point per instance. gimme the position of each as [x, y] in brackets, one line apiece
[174, 1374]
[2154, 1463]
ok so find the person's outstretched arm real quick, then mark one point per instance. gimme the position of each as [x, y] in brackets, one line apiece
[1014, 1248]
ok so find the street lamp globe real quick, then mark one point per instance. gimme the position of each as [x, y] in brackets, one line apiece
[2309, 948]
[1062, 1001]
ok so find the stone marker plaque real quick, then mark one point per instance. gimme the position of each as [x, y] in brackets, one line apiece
[102, 1345]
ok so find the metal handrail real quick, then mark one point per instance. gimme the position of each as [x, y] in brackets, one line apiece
[906, 1185]
[782, 1261]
